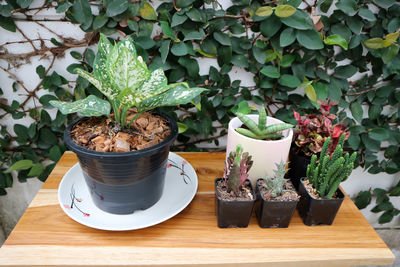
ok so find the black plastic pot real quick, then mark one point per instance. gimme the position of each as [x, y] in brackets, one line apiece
[122, 182]
[318, 211]
[234, 213]
[297, 168]
[273, 213]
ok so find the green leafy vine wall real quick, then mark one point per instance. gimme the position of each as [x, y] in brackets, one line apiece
[295, 59]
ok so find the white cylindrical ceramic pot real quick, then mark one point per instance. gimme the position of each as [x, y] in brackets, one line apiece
[264, 153]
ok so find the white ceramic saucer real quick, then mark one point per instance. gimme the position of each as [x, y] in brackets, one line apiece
[179, 189]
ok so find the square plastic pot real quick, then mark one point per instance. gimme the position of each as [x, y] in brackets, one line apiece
[297, 168]
[233, 213]
[318, 211]
[273, 213]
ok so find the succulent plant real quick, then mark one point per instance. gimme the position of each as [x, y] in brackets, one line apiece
[330, 171]
[261, 130]
[276, 184]
[122, 76]
[237, 168]
[312, 130]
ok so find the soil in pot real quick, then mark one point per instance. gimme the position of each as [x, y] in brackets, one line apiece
[275, 212]
[232, 210]
[297, 167]
[315, 210]
[103, 135]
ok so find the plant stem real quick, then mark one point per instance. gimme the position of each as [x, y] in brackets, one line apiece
[116, 110]
[124, 111]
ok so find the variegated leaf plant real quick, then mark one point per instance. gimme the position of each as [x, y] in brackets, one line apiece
[123, 77]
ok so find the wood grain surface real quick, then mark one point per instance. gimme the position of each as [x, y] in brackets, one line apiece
[48, 237]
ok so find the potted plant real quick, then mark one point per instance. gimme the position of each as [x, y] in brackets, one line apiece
[234, 195]
[267, 139]
[310, 133]
[123, 154]
[277, 199]
[320, 195]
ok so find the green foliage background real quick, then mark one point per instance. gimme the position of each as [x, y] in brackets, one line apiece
[283, 54]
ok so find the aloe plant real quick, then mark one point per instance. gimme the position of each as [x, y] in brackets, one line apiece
[276, 184]
[123, 77]
[237, 168]
[330, 171]
[261, 130]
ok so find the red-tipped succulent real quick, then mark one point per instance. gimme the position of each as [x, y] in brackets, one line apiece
[313, 129]
[237, 168]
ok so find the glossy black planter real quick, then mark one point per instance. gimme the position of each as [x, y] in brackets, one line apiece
[122, 182]
[297, 168]
[318, 211]
[273, 213]
[235, 213]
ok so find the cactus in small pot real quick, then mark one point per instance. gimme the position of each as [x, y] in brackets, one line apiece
[278, 199]
[327, 172]
[234, 197]
[261, 131]
[237, 168]
[276, 184]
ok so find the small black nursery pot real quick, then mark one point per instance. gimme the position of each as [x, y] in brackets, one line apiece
[273, 213]
[297, 168]
[318, 211]
[233, 213]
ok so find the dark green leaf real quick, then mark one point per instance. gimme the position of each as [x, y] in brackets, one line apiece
[24, 3]
[222, 38]
[363, 199]
[384, 3]
[379, 134]
[82, 11]
[299, 20]
[63, 6]
[40, 70]
[7, 23]
[270, 26]
[116, 7]
[55, 153]
[349, 7]
[178, 19]
[309, 39]
[270, 71]
[179, 49]
[287, 37]
[367, 14]
[289, 81]
[345, 71]
[164, 50]
[99, 21]
[386, 217]
[356, 111]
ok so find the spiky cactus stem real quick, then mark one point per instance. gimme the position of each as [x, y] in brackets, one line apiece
[329, 172]
[276, 184]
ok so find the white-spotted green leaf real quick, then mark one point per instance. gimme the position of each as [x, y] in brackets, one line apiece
[90, 106]
[128, 43]
[99, 64]
[156, 84]
[126, 71]
[103, 87]
[177, 95]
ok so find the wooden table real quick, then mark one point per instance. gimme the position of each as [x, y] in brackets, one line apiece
[47, 236]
